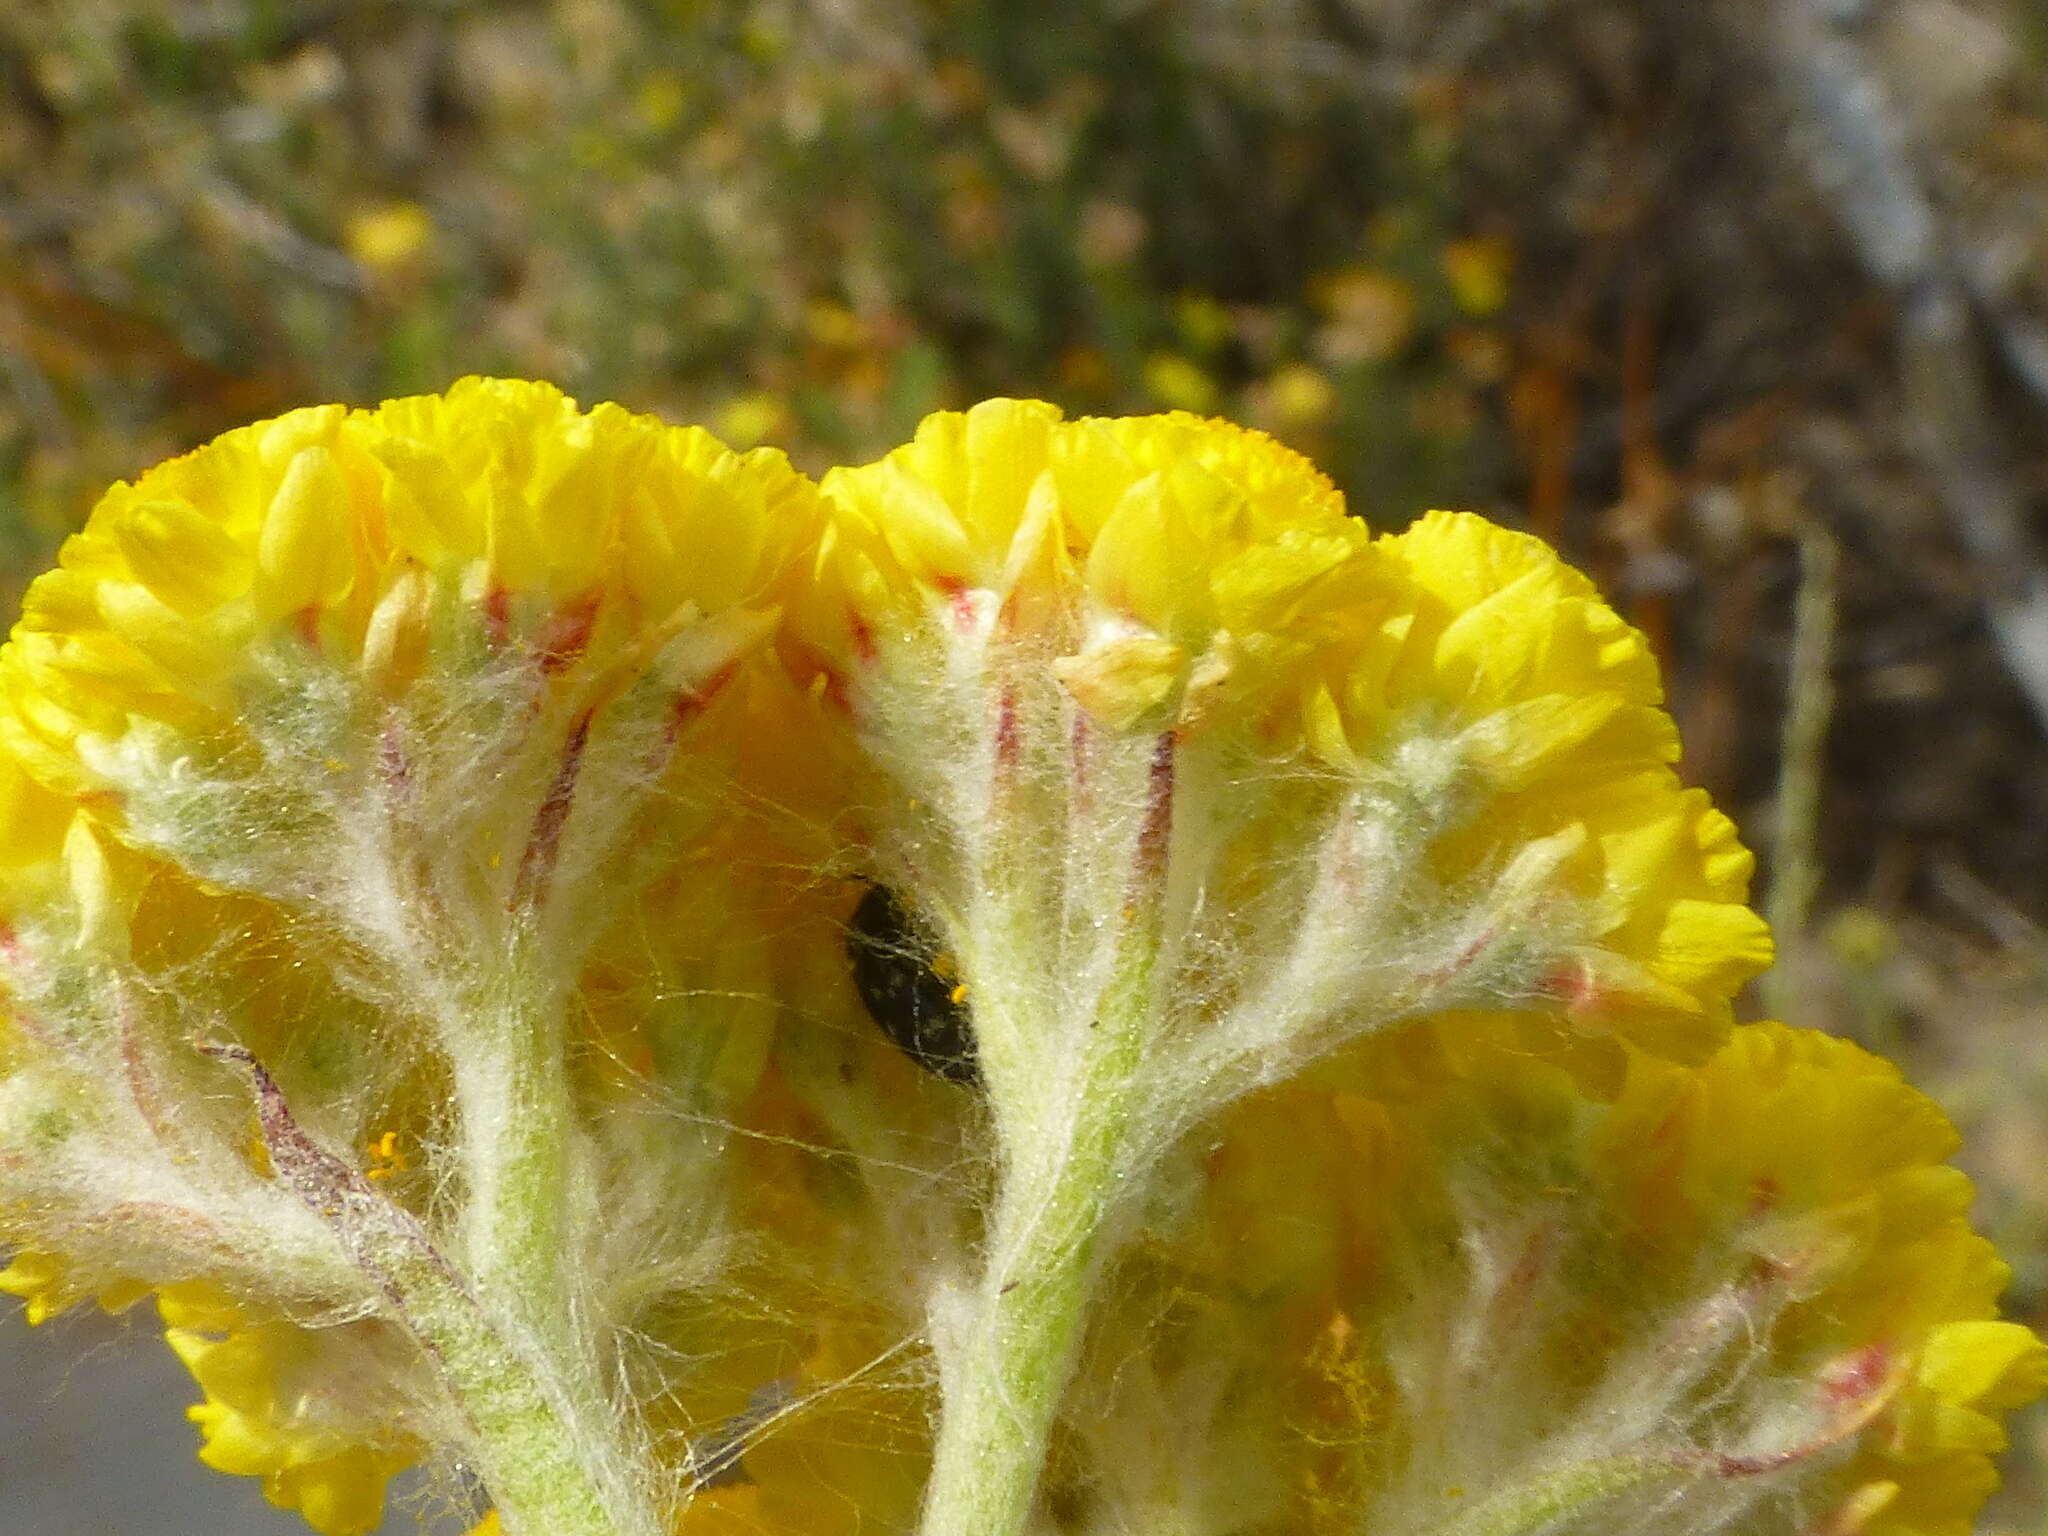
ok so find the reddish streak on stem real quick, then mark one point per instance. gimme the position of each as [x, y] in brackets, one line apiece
[1772, 1461]
[1573, 984]
[1860, 1388]
[689, 705]
[1855, 1378]
[1462, 959]
[498, 613]
[566, 633]
[1007, 743]
[1764, 1194]
[863, 637]
[958, 600]
[1079, 745]
[538, 862]
[1345, 872]
[392, 762]
[1157, 832]
[1511, 1301]
[142, 1086]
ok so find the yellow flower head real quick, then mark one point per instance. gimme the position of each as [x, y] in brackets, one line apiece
[1370, 780]
[370, 553]
[1743, 1296]
[355, 760]
[400, 673]
[1506, 701]
[389, 238]
[46, 1282]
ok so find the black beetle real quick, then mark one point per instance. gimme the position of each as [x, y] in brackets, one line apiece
[909, 987]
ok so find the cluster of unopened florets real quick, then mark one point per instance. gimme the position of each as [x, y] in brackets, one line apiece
[1054, 982]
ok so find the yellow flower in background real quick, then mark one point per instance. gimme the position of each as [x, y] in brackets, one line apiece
[1299, 395]
[1056, 971]
[1371, 315]
[748, 419]
[390, 238]
[1179, 383]
[1479, 271]
[1203, 321]
[660, 99]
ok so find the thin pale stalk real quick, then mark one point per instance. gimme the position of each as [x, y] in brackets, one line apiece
[549, 1452]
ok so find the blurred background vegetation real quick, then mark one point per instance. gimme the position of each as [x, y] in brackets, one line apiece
[1745, 305]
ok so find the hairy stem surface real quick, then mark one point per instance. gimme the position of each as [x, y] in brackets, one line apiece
[546, 1447]
[515, 1149]
[1046, 1246]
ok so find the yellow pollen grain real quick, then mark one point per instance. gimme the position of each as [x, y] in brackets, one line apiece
[958, 995]
[385, 1156]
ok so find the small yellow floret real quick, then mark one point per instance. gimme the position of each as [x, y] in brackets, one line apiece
[271, 1410]
[44, 1281]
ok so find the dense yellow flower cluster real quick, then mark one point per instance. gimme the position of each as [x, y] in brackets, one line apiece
[1743, 1295]
[332, 739]
[1194, 577]
[437, 858]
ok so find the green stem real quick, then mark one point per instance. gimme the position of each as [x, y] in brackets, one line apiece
[549, 1457]
[1002, 1390]
[546, 1447]
[515, 1119]
[1568, 1490]
[547, 1442]
[1802, 749]
[1004, 1379]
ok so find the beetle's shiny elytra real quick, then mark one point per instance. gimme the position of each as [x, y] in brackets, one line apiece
[909, 987]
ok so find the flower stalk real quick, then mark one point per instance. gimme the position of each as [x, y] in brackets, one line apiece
[1559, 1495]
[515, 1124]
[1005, 1379]
[544, 1444]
